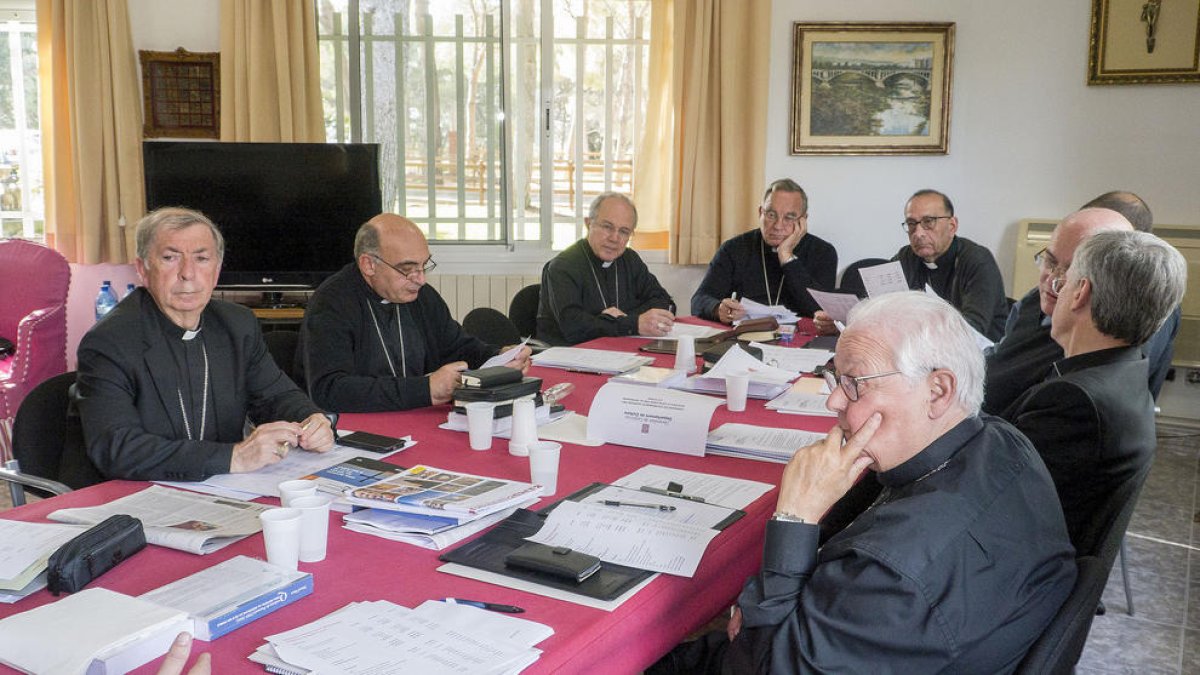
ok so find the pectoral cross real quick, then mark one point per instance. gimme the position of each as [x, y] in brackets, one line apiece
[1150, 17]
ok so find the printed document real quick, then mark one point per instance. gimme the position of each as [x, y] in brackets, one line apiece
[506, 356]
[590, 360]
[25, 545]
[679, 330]
[701, 514]
[176, 519]
[836, 305]
[754, 442]
[801, 402]
[626, 536]
[648, 417]
[734, 493]
[883, 279]
[792, 359]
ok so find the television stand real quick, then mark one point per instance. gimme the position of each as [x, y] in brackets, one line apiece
[274, 300]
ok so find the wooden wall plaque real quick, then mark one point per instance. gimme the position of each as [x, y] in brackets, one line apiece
[181, 94]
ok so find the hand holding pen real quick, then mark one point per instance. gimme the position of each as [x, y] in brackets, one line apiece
[730, 309]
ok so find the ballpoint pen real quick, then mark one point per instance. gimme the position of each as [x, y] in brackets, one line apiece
[668, 493]
[492, 606]
[660, 507]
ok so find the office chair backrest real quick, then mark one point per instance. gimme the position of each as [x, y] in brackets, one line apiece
[851, 279]
[491, 326]
[524, 308]
[282, 345]
[1058, 648]
[48, 436]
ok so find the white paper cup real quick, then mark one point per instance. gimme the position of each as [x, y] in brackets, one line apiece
[787, 331]
[294, 489]
[685, 354]
[479, 424]
[543, 465]
[736, 386]
[281, 536]
[314, 526]
[524, 427]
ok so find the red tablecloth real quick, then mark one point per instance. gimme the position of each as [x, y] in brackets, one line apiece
[360, 567]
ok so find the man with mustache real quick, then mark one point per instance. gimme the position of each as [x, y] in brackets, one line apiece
[960, 562]
[168, 378]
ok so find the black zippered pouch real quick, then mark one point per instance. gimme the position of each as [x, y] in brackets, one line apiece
[76, 563]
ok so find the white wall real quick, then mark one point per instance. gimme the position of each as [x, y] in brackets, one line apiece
[1028, 137]
[166, 25]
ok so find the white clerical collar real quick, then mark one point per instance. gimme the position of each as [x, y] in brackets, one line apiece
[931, 265]
[606, 264]
[191, 334]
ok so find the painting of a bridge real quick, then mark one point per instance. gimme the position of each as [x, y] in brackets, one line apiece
[871, 88]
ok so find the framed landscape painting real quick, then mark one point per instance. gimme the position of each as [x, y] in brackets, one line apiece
[871, 88]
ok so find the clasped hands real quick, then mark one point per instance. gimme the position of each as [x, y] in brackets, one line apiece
[651, 323]
[269, 443]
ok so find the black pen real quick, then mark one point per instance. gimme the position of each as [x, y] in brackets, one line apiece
[495, 607]
[660, 507]
[668, 493]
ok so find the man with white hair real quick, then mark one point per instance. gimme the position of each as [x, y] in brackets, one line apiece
[1090, 419]
[958, 565]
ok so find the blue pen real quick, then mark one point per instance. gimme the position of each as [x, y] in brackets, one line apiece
[492, 606]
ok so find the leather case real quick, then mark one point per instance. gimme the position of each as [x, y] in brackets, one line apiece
[76, 563]
[557, 561]
[504, 392]
[490, 377]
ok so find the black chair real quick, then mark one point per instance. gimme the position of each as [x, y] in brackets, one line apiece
[48, 446]
[524, 308]
[1058, 648]
[282, 345]
[851, 279]
[491, 326]
[1060, 645]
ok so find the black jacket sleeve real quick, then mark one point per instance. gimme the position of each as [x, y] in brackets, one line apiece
[717, 284]
[815, 266]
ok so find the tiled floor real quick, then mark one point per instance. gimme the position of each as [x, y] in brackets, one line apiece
[1163, 636]
[1163, 540]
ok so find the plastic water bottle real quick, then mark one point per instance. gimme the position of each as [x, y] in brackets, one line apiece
[105, 300]
[128, 289]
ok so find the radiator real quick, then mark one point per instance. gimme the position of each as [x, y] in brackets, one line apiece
[464, 292]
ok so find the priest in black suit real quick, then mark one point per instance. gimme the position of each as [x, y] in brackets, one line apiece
[1092, 419]
[168, 378]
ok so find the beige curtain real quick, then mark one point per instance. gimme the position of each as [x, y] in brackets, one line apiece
[91, 129]
[720, 61]
[270, 73]
[652, 178]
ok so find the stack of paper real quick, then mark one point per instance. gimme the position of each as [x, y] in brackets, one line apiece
[426, 490]
[590, 360]
[225, 597]
[382, 637]
[679, 330]
[652, 376]
[807, 396]
[762, 443]
[432, 532]
[757, 310]
[25, 548]
[96, 631]
[766, 382]
[176, 519]
[793, 359]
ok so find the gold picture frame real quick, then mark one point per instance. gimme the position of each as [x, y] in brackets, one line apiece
[1144, 42]
[871, 88]
[181, 93]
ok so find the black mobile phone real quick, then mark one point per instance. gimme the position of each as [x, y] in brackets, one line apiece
[373, 442]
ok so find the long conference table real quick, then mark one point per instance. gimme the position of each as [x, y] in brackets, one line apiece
[361, 567]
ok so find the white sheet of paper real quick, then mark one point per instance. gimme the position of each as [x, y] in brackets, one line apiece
[883, 279]
[735, 493]
[701, 514]
[570, 428]
[649, 417]
[757, 310]
[754, 437]
[505, 356]
[797, 360]
[492, 625]
[836, 305]
[590, 360]
[680, 329]
[23, 544]
[801, 403]
[737, 359]
[626, 536]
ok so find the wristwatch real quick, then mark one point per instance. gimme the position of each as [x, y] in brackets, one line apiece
[790, 261]
[785, 517]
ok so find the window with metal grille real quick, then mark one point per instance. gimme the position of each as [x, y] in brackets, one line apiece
[499, 120]
[22, 198]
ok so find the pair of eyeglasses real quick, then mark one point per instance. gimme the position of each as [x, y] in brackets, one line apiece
[1046, 262]
[927, 223]
[1057, 284]
[772, 216]
[409, 270]
[609, 229]
[850, 384]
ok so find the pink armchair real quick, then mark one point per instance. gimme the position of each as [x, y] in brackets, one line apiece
[33, 314]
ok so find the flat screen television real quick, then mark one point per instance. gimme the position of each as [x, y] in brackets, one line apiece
[288, 211]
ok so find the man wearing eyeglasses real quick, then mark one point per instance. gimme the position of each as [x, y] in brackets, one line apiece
[775, 264]
[1091, 419]
[598, 287]
[960, 562]
[376, 337]
[1024, 357]
[957, 269]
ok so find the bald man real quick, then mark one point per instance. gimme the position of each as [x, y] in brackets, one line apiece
[376, 337]
[1025, 355]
